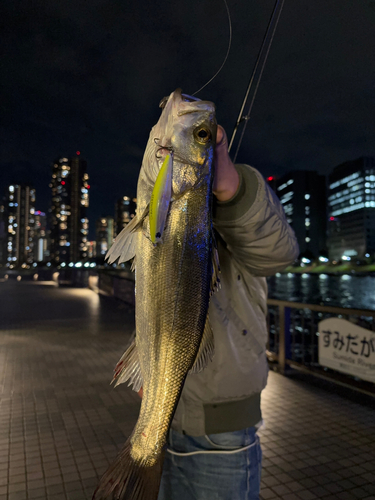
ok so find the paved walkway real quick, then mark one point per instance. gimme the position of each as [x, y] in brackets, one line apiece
[61, 423]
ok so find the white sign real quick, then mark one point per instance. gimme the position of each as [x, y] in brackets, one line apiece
[347, 348]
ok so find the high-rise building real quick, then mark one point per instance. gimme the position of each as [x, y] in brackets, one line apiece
[91, 249]
[351, 209]
[40, 236]
[20, 210]
[69, 225]
[303, 196]
[125, 211]
[104, 235]
[272, 182]
[3, 231]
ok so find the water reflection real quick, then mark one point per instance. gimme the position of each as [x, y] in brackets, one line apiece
[343, 291]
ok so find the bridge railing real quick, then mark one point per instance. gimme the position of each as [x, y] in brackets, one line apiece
[293, 338]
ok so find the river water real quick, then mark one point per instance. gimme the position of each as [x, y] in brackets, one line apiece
[357, 292]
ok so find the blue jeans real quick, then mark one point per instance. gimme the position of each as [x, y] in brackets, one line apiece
[224, 466]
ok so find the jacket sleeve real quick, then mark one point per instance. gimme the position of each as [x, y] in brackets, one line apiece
[254, 227]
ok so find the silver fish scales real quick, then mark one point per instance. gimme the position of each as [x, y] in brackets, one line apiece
[172, 240]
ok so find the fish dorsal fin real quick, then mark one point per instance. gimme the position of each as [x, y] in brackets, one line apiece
[206, 349]
[215, 280]
[129, 368]
[124, 246]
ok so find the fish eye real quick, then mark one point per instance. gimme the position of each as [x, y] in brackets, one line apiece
[202, 135]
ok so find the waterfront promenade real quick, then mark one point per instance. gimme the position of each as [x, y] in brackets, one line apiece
[61, 423]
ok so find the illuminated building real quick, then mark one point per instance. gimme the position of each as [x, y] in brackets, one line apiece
[125, 211]
[69, 225]
[3, 231]
[40, 236]
[351, 209]
[91, 249]
[20, 210]
[272, 182]
[303, 196]
[104, 235]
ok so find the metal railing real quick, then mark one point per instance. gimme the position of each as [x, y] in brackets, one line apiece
[293, 338]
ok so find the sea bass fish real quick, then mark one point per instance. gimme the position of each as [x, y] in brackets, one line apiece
[176, 268]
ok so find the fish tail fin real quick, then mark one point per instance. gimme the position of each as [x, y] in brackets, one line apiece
[126, 480]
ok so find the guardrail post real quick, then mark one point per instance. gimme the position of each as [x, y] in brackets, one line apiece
[284, 337]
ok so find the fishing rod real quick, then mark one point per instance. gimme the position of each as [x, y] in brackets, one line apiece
[257, 75]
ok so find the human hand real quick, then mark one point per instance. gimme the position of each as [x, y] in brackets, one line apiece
[140, 392]
[226, 179]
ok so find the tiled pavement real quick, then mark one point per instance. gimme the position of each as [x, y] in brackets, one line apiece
[61, 423]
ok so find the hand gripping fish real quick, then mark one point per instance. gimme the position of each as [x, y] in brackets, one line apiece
[176, 269]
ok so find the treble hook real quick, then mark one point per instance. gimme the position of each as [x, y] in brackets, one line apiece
[168, 148]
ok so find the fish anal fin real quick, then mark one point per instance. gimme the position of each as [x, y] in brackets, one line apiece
[129, 369]
[206, 349]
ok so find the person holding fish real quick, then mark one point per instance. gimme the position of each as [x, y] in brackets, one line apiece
[206, 235]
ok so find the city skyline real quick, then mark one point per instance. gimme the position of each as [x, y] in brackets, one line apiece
[75, 79]
[331, 215]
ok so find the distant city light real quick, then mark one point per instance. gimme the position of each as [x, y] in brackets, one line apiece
[63, 264]
[345, 257]
[71, 264]
[323, 259]
[307, 196]
[331, 218]
[63, 183]
[270, 178]
[78, 153]
[367, 255]
[92, 264]
[78, 264]
[305, 260]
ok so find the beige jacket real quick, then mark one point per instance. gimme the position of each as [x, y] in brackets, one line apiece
[257, 241]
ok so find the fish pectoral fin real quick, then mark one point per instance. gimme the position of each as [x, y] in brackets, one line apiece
[125, 243]
[160, 200]
[129, 368]
[215, 280]
[206, 349]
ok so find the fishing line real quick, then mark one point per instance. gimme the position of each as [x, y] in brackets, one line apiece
[226, 55]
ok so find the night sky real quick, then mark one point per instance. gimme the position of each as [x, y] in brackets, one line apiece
[89, 75]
